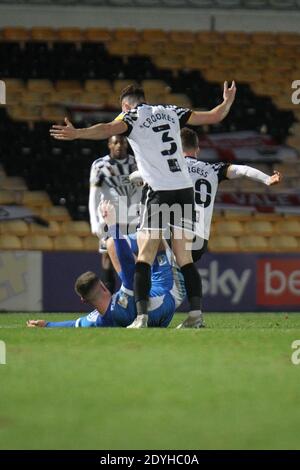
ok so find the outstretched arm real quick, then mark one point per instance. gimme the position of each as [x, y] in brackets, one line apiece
[238, 171]
[96, 132]
[200, 118]
[123, 250]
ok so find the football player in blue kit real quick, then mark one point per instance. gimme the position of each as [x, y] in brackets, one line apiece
[119, 310]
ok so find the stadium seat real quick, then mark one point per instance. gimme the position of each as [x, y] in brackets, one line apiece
[129, 34]
[182, 37]
[70, 34]
[284, 243]
[289, 226]
[57, 213]
[41, 86]
[76, 227]
[233, 227]
[253, 243]
[101, 86]
[155, 35]
[260, 227]
[36, 199]
[10, 242]
[91, 243]
[39, 33]
[223, 243]
[52, 230]
[14, 183]
[98, 35]
[14, 227]
[15, 34]
[68, 242]
[37, 242]
[7, 197]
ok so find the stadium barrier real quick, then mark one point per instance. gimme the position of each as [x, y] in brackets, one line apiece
[232, 282]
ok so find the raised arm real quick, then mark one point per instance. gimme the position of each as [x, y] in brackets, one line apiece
[96, 132]
[238, 171]
[217, 114]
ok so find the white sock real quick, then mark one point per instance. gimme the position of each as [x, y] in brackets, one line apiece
[195, 314]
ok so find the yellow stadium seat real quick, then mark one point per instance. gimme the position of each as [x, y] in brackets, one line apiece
[14, 227]
[14, 183]
[264, 39]
[230, 227]
[284, 243]
[208, 37]
[253, 243]
[237, 215]
[57, 213]
[41, 86]
[147, 48]
[7, 197]
[122, 48]
[10, 242]
[36, 199]
[91, 244]
[40, 33]
[154, 86]
[223, 243]
[68, 85]
[169, 62]
[236, 38]
[119, 85]
[14, 85]
[129, 34]
[68, 242]
[53, 113]
[57, 98]
[15, 34]
[24, 113]
[93, 98]
[182, 37]
[155, 35]
[76, 227]
[34, 98]
[98, 35]
[173, 49]
[52, 230]
[100, 86]
[13, 98]
[271, 217]
[260, 227]
[288, 226]
[70, 34]
[37, 242]
[289, 39]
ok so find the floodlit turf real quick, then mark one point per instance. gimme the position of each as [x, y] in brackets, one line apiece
[229, 386]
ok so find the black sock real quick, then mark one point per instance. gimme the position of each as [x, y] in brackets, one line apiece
[108, 278]
[142, 286]
[193, 285]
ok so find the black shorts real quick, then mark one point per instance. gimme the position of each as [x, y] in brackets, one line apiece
[163, 209]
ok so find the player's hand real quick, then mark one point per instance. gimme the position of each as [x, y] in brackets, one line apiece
[229, 93]
[135, 178]
[67, 132]
[36, 323]
[275, 178]
[108, 212]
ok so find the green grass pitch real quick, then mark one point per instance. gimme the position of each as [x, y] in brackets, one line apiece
[229, 386]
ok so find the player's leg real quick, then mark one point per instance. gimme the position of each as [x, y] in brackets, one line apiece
[192, 280]
[111, 250]
[148, 243]
[107, 270]
[182, 244]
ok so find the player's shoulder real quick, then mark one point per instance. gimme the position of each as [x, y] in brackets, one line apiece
[100, 162]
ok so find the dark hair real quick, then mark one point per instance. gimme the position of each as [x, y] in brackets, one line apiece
[135, 93]
[189, 139]
[84, 283]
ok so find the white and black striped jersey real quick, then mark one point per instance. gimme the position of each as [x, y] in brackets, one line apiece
[110, 177]
[206, 178]
[154, 135]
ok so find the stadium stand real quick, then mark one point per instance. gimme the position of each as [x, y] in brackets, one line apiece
[52, 73]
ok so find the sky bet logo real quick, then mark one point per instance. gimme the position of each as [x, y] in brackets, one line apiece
[279, 282]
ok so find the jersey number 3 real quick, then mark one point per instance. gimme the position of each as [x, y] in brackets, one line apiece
[166, 138]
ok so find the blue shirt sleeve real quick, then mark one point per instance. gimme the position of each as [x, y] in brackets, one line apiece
[125, 256]
[61, 324]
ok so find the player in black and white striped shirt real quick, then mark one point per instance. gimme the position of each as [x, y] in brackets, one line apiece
[154, 135]
[109, 180]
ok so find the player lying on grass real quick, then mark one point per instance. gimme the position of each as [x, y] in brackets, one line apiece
[119, 310]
